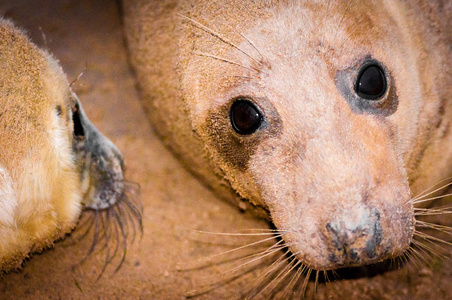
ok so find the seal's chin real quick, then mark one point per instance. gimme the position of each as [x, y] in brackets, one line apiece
[99, 162]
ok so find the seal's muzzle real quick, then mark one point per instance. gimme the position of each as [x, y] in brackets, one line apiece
[99, 162]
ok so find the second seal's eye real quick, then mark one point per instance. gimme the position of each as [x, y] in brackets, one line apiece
[79, 132]
[245, 117]
[371, 82]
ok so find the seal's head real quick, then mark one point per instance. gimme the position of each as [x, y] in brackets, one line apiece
[52, 159]
[321, 118]
[328, 114]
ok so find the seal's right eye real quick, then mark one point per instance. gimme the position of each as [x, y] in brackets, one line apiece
[78, 127]
[371, 82]
[245, 117]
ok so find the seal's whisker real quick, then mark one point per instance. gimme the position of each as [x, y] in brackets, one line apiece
[412, 255]
[225, 60]
[425, 253]
[403, 259]
[124, 239]
[135, 209]
[431, 199]
[424, 247]
[111, 226]
[235, 250]
[79, 75]
[349, 36]
[323, 32]
[427, 190]
[400, 261]
[106, 238]
[223, 281]
[297, 280]
[271, 233]
[305, 283]
[433, 211]
[259, 280]
[341, 20]
[256, 257]
[95, 236]
[230, 275]
[235, 76]
[282, 274]
[316, 282]
[125, 219]
[265, 60]
[442, 228]
[115, 231]
[430, 238]
[129, 219]
[265, 230]
[220, 37]
[299, 267]
[77, 237]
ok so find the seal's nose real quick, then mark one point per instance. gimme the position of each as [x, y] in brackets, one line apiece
[352, 242]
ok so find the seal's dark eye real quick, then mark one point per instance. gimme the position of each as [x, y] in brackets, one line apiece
[370, 82]
[245, 116]
[79, 132]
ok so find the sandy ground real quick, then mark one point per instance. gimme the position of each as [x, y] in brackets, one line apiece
[164, 263]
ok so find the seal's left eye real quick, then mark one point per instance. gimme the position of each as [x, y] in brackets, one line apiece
[371, 82]
[245, 117]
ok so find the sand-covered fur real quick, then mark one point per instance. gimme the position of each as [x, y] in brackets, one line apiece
[52, 159]
[40, 187]
[336, 173]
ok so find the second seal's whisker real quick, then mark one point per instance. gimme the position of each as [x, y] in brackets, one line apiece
[226, 61]
[218, 36]
[427, 191]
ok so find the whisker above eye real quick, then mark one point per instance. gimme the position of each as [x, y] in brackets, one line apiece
[218, 36]
[225, 60]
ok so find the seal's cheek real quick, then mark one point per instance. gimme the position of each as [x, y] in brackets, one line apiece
[233, 131]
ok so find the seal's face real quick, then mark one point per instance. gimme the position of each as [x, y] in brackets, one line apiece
[52, 159]
[318, 129]
[328, 114]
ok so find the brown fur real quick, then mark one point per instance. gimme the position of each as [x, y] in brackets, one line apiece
[318, 161]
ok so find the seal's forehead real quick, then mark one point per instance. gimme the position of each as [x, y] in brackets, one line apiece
[29, 76]
[33, 88]
[335, 29]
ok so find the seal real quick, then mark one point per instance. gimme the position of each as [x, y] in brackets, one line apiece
[53, 161]
[330, 116]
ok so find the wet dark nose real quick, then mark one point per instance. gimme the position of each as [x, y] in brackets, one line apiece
[351, 243]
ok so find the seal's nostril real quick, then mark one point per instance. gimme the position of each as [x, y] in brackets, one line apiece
[329, 228]
[353, 254]
[371, 247]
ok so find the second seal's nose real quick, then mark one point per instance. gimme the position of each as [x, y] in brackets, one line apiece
[350, 242]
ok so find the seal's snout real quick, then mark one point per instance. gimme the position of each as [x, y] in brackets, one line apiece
[100, 163]
[352, 243]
